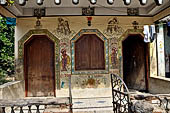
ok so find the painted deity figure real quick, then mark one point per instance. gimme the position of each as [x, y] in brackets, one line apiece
[109, 27]
[65, 60]
[60, 28]
[63, 27]
[114, 27]
[114, 57]
[66, 28]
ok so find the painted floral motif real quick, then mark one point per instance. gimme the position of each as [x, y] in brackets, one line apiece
[91, 82]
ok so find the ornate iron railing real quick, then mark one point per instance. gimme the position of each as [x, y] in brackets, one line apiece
[120, 93]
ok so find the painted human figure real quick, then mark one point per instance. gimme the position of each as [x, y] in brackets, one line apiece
[60, 28]
[66, 28]
[109, 27]
[65, 60]
[114, 57]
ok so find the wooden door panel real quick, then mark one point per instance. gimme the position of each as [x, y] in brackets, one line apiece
[82, 60]
[134, 62]
[39, 63]
[89, 53]
[97, 52]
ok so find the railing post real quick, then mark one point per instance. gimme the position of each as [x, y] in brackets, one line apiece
[70, 94]
[29, 109]
[12, 109]
[3, 109]
[38, 111]
[21, 110]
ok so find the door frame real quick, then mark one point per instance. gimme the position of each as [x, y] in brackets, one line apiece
[56, 41]
[26, 67]
[138, 32]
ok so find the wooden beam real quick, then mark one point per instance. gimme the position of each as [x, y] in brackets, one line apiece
[6, 13]
[16, 9]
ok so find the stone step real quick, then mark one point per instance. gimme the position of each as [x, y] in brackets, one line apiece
[93, 112]
[56, 110]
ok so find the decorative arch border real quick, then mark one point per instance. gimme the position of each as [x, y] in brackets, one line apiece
[106, 52]
[124, 37]
[56, 41]
[131, 32]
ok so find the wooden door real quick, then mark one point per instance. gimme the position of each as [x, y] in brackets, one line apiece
[89, 53]
[39, 66]
[135, 58]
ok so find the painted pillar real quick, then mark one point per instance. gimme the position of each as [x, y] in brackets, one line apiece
[160, 52]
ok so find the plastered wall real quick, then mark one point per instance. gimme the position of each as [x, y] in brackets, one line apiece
[158, 84]
[123, 25]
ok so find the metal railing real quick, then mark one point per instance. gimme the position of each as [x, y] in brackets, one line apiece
[121, 96]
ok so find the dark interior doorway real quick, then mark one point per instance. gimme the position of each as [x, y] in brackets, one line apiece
[39, 66]
[135, 62]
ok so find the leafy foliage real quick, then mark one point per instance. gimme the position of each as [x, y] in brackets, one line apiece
[6, 50]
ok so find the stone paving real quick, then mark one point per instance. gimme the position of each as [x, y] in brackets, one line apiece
[99, 101]
[84, 101]
[92, 104]
[90, 100]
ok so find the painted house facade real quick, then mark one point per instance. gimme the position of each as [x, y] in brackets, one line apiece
[50, 49]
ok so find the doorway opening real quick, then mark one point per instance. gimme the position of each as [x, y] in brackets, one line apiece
[39, 66]
[135, 63]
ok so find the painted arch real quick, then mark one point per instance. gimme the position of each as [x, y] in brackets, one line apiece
[28, 35]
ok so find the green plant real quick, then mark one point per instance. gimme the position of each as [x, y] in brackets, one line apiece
[6, 50]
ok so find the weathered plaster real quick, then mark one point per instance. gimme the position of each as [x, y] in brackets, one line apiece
[75, 24]
[159, 85]
[153, 59]
[167, 50]
[161, 51]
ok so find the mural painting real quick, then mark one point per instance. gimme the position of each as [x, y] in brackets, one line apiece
[91, 81]
[64, 80]
[65, 61]
[63, 28]
[85, 81]
[113, 56]
[113, 28]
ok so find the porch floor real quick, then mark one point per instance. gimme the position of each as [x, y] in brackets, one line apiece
[90, 100]
[84, 101]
